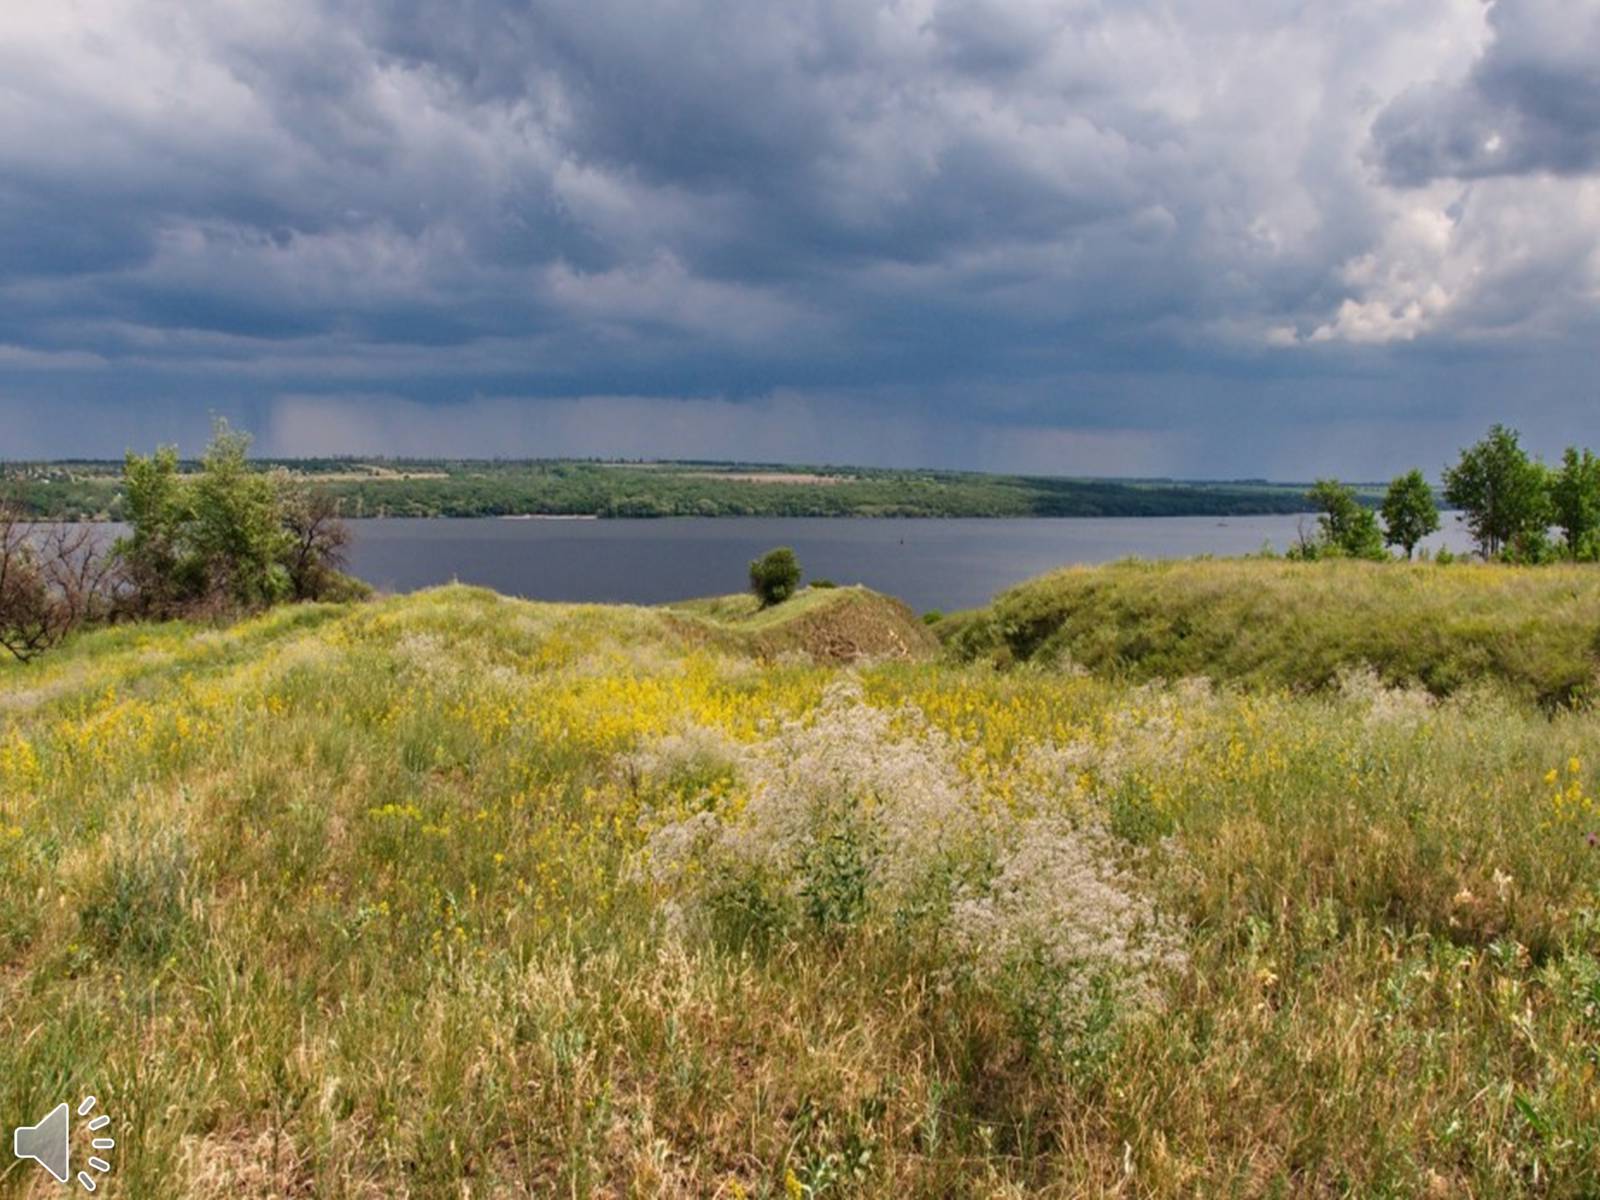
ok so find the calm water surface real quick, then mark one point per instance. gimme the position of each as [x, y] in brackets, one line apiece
[945, 564]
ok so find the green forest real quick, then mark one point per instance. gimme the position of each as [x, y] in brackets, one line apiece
[92, 490]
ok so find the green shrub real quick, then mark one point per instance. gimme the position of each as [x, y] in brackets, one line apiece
[230, 538]
[775, 576]
[1346, 528]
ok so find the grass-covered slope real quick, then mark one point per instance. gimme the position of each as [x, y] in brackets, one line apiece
[1536, 630]
[843, 624]
[453, 895]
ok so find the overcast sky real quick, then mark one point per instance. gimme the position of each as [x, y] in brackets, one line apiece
[1208, 238]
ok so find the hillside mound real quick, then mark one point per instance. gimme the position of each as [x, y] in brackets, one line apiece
[846, 624]
[1534, 629]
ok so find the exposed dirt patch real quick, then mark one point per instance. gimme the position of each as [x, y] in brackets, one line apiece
[849, 625]
[862, 625]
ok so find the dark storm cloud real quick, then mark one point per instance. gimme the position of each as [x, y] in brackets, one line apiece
[980, 227]
[1530, 103]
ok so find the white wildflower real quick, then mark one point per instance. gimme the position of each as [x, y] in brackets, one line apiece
[689, 750]
[1059, 896]
[876, 797]
[1386, 707]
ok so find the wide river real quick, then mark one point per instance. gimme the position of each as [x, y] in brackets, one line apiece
[944, 564]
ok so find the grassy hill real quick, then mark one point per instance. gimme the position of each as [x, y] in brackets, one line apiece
[828, 624]
[1535, 630]
[451, 894]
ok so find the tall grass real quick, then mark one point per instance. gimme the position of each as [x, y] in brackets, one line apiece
[1535, 630]
[365, 902]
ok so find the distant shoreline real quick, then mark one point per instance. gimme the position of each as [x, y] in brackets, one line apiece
[524, 517]
[569, 490]
[842, 517]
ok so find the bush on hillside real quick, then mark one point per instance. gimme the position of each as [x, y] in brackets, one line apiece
[775, 576]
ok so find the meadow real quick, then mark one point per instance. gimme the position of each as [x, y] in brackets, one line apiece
[456, 895]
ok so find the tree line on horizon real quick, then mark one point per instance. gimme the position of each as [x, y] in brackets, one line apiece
[490, 488]
[1517, 509]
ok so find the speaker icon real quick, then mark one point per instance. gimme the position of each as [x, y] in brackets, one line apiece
[49, 1143]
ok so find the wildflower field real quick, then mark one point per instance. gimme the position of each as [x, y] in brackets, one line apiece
[455, 895]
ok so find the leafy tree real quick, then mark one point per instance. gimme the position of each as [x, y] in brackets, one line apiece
[775, 576]
[1409, 512]
[156, 504]
[238, 533]
[1504, 495]
[228, 537]
[1575, 499]
[1347, 526]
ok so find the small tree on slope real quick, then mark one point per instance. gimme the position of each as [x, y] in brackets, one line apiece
[1409, 512]
[775, 576]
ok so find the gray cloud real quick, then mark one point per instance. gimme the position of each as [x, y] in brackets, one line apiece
[1531, 102]
[1002, 228]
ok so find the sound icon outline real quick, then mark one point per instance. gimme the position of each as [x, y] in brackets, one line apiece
[48, 1143]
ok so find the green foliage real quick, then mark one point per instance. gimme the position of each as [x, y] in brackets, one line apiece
[1504, 495]
[834, 871]
[469, 488]
[159, 508]
[1133, 814]
[230, 537]
[238, 536]
[1575, 498]
[775, 576]
[1346, 526]
[1410, 512]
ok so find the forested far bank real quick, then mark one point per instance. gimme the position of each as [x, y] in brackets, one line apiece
[456, 488]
